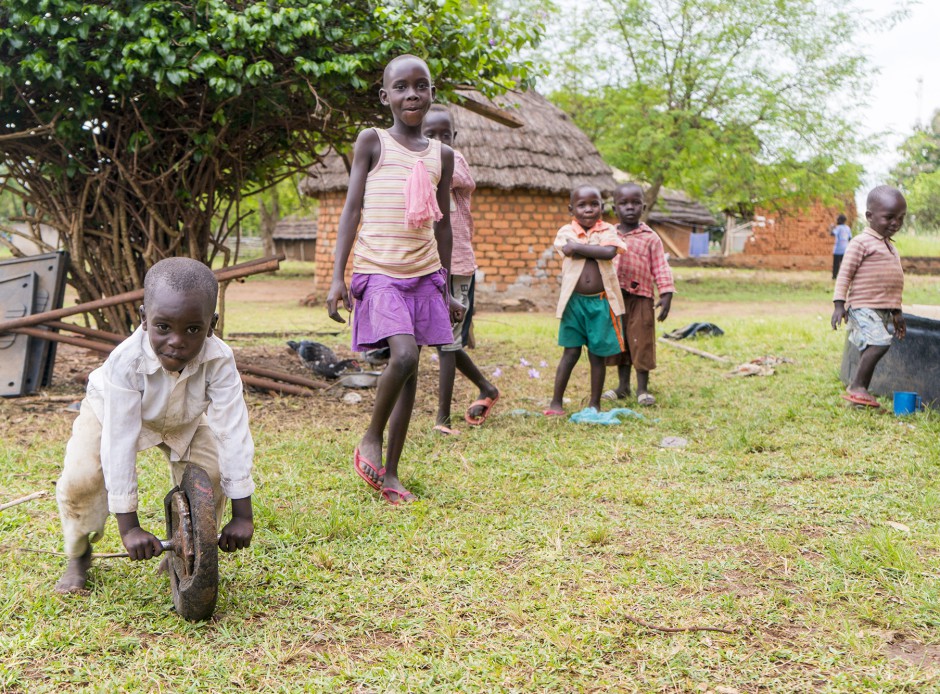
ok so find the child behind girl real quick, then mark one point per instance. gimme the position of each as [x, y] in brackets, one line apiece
[438, 125]
[399, 186]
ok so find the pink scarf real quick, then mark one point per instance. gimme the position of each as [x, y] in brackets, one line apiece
[420, 198]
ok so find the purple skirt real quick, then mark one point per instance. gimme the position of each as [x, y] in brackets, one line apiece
[386, 306]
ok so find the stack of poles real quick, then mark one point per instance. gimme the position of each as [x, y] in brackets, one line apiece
[105, 342]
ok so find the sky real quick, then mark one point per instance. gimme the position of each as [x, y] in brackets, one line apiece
[903, 54]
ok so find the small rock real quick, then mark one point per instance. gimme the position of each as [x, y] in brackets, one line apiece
[673, 442]
[352, 398]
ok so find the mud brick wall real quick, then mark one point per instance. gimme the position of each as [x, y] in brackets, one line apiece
[798, 232]
[331, 205]
[513, 236]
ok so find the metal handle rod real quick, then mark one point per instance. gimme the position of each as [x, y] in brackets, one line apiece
[167, 546]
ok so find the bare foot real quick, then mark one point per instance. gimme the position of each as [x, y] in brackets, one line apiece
[75, 577]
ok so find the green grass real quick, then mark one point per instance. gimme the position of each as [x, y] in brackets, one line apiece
[924, 243]
[535, 540]
[756, 288]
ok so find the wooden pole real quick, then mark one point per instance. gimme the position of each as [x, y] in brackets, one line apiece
[268, 384]
[230, 273]
[694, 351]
[267, 380]
[22, 500]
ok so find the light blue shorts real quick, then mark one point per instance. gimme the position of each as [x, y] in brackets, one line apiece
[869, 326]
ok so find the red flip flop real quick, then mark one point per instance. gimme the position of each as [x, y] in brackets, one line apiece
[404, 497]
[866, 400]
[487, 405]
[554, 413]
[360, 462]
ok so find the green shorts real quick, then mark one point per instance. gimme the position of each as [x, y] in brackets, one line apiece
[588, 320]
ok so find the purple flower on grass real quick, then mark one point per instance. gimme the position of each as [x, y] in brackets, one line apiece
[533, 373]
[497, 372]
[523, 361]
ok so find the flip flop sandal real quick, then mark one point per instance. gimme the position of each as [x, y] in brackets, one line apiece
[646, 399]
[553, 413]
[861, 400]
[446, 431]
[400, 499]
[360, 463]
[487, 405]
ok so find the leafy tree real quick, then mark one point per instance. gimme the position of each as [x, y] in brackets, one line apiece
[918, 173]
[923, 199]
[272, 204]
[740, 103]
[130, 125]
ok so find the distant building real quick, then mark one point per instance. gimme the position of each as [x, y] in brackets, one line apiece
[296, 238]
[524, 177]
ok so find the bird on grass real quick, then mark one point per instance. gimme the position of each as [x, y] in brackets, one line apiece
[321, 360]
[378, 356]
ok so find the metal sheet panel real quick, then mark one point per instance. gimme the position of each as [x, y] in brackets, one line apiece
[50, 270]
[17, 295]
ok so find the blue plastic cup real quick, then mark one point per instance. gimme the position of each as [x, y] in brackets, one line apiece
[906, 403]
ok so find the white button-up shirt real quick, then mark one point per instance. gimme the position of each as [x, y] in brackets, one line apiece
[141, 405]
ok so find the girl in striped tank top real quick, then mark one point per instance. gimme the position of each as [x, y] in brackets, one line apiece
[399, 187]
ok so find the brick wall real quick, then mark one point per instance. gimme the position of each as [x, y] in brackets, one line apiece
[330, 207]
[514, 231]
[797, 233]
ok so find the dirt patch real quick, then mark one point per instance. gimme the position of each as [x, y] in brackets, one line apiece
[914, 652]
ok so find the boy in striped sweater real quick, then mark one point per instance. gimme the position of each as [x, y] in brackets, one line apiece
[868, 289]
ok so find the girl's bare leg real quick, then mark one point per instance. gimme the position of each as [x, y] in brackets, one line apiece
[445, 394]
[398, 430]
[402, 366]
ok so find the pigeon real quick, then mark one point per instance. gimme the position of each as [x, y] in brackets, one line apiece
[377, 357]
[321, 360]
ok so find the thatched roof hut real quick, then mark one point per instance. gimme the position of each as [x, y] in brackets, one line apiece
[676, 208]
[296, 237]
[549, 153]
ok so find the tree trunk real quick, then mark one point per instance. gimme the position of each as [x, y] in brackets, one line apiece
[269, 219]
[650, 195]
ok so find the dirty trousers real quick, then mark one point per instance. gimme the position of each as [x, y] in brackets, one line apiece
[81, 492]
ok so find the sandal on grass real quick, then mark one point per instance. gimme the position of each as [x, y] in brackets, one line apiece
[398, 498]
[645, 399]
[360, 463]
[864, 400]
[487, 405]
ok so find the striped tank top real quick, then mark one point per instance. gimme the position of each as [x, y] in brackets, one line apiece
[384, 245]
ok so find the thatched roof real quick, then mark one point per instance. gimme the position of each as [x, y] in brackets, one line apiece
[675, 207]
[672, 206]
[295, 229]
[548, 153]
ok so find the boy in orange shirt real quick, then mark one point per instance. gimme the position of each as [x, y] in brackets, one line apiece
[590, 305]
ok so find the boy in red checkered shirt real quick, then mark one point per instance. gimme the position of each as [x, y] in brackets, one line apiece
[643, 265]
